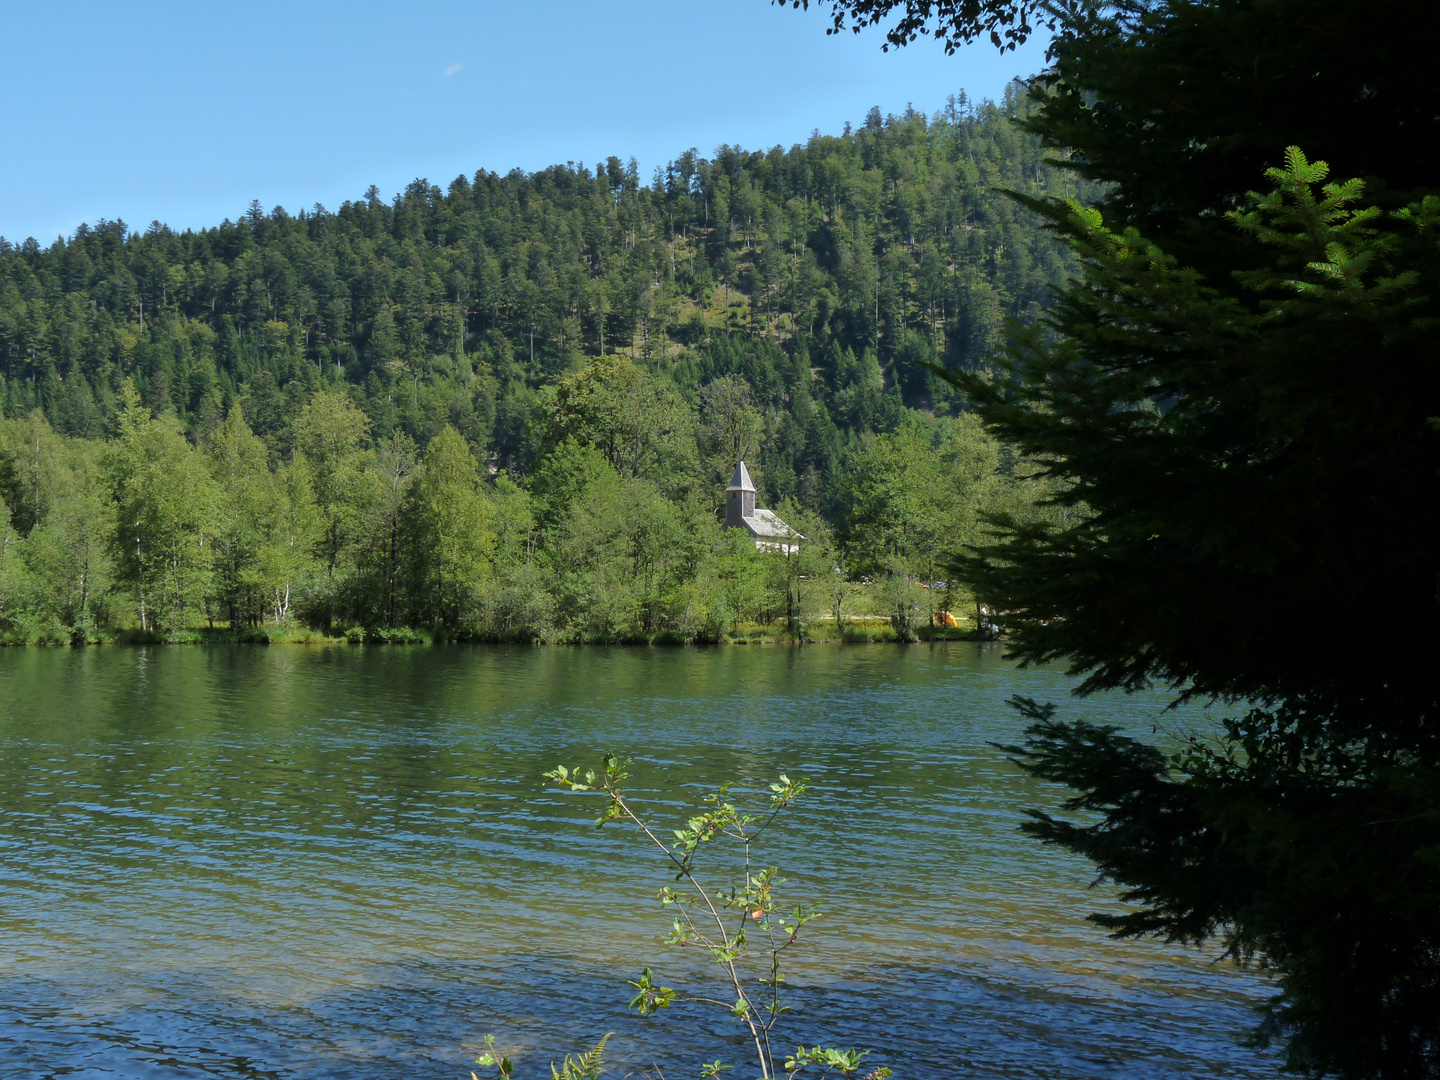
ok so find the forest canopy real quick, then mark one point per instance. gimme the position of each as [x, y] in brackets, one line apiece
[377, 410]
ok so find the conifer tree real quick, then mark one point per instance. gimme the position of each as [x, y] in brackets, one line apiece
[1254, 518]
[1234, 407]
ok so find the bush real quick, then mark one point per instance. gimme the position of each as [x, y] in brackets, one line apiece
[736, 918]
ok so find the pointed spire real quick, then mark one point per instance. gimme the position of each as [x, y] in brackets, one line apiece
[741, 480]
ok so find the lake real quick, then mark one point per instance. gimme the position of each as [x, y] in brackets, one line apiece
[296, 862]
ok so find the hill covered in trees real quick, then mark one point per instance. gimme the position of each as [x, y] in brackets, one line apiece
[508, 407]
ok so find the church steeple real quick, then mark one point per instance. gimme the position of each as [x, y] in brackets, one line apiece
[770, 533]
[739, 498]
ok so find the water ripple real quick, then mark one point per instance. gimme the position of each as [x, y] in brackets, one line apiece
[295, 863]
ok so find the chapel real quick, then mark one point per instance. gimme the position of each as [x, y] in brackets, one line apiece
[770, 533]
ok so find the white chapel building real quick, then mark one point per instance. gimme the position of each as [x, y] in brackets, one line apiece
[770, 533]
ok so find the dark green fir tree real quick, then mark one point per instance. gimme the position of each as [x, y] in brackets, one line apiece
[1236, 402]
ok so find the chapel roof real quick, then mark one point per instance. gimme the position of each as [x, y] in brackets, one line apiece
[767, 523]
[741, 480]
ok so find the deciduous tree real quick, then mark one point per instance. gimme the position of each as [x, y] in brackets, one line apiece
[165, 518]
[449, 535]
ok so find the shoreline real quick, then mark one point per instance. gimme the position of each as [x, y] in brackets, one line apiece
[860, 634]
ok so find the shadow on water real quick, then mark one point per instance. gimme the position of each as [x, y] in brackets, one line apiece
[423, 1019]
[295, 863]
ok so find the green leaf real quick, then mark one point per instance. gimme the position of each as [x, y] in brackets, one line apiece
[651, 997]
[585, 1067]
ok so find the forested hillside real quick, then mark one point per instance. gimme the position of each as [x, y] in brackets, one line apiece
[240, 423]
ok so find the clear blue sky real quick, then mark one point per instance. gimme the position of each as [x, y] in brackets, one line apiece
[184, 112]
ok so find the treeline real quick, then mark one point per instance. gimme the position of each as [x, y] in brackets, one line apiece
[614, 536]
[776, 306]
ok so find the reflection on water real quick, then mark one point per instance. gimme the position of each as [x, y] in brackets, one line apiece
[295, 862]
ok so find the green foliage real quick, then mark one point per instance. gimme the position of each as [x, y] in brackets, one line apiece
[744, 928]
[844, 1062]
[638, 423]
[166, 513]
[649, 997]
[1007, 23]
[731, 428]
[449, 535]
[507, 410]
[267, 528]
[331, 434]
[1243, 81]
[380, 539]
[492, 1059]
[56, 576]
[916, 495]
[1250, 366]
[466, 306]
[586, 1066]
[1235, 489]
[904, 599]
[1230, 423]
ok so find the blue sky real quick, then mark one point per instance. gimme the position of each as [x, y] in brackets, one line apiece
[184, 112]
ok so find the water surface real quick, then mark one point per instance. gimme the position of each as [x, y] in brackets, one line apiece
[341, 862]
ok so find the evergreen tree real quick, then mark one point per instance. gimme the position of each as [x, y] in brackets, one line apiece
[468, 306]
[572, 325]
[1232, 410]
[1219, 544]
